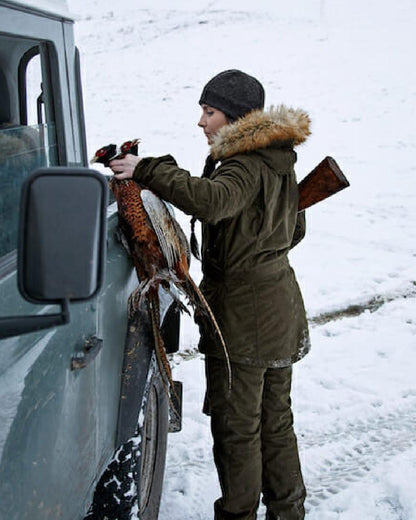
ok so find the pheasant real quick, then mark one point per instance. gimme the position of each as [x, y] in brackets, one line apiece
[159, 251]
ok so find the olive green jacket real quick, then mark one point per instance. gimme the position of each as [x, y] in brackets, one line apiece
[247, 202]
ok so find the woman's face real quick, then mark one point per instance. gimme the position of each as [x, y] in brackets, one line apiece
[211, 121]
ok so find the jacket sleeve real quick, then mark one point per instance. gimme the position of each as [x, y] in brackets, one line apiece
[210, 200]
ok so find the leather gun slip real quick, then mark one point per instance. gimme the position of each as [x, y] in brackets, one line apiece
[323, 181]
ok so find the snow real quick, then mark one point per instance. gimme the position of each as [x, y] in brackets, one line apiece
[349, 64]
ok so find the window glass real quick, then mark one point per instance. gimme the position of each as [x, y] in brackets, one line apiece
[24, 147]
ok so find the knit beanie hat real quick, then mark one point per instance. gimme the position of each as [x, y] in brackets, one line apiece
[233, 92]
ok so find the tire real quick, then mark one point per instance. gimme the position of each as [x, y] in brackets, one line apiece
[149, 478]
[131, 486]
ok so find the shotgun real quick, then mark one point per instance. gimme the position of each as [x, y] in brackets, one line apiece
[323, 181]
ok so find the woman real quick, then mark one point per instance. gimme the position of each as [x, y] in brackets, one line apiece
[247, 202]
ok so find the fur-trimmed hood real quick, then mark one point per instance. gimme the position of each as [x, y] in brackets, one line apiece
[259, 129]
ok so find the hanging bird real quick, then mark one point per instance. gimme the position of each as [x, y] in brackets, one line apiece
[159, 251]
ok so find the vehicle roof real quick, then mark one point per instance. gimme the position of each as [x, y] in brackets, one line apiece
[52, 7]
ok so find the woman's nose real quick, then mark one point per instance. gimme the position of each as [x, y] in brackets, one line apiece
[202, 122]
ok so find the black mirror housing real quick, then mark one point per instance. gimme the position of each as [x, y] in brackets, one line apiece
[62, 235]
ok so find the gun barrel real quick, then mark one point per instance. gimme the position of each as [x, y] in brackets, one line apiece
[324, 180]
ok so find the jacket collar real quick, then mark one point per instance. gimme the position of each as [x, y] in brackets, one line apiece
[259, 129]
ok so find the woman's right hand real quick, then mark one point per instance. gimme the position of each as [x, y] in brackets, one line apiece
[124, 168]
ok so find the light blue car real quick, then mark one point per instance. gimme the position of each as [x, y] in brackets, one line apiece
[83, 414]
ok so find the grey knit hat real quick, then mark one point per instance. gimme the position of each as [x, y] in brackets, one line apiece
[233, 92]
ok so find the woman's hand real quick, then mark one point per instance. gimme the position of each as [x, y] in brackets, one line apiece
[124, 168]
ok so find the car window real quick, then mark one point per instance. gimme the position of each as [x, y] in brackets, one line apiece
[27, 131]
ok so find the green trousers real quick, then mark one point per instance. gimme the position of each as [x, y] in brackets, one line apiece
[255, 447]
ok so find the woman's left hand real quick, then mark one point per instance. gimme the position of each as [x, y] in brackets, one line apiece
[124, 168]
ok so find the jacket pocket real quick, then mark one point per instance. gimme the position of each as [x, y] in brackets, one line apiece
[237, 319]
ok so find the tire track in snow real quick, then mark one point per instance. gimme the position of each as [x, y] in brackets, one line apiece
[372, 305]
[356, 449]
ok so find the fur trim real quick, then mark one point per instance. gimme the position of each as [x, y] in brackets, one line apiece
[259, 129]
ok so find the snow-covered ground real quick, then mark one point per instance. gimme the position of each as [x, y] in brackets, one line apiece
[348, 63]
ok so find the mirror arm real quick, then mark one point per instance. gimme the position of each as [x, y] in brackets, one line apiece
[17, 325]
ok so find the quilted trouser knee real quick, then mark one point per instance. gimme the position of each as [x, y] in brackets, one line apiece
[235, 426]
[283, 488]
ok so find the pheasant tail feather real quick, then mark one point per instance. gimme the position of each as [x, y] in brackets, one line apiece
[198, 300]
[161, 358]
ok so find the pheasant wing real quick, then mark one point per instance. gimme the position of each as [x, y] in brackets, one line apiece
[171, 238]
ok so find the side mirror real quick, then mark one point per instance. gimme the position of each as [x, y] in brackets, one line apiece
[62, 243]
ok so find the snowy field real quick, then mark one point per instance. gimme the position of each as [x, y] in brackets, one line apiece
[349, 64]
